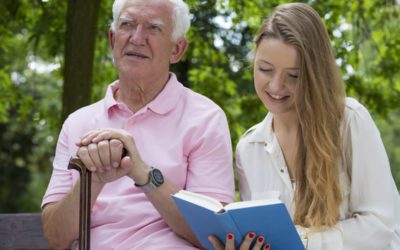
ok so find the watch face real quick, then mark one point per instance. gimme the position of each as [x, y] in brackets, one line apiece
[158, 177]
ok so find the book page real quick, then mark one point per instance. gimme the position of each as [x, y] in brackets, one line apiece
[199, 199]
[255, 203]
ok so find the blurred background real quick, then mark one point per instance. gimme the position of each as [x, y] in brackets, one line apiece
[54, 58]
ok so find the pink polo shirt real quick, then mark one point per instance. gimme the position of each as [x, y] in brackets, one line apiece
[182, 133]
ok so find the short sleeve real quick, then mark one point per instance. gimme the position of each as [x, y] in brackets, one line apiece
[210, 169]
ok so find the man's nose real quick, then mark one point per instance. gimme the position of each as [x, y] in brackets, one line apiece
[139, 35]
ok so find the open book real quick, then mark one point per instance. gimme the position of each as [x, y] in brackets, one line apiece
[207, 216]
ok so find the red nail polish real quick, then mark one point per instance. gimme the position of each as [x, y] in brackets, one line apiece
[260, 239]
[267, 246]
[251, 235]
[230, 236]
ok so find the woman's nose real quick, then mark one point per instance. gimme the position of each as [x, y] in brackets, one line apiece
[276, 82]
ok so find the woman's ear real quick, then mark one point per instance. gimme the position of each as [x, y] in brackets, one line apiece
[178, 50]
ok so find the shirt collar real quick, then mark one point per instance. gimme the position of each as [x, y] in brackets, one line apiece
[165, 101]
[262, 132]
[109, 99]
[169, 97]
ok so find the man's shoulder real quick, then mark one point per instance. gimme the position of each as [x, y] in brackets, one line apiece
[199, 100]
[87, 112]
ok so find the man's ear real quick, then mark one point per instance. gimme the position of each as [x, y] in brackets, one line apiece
[111, 38]
[178, 50]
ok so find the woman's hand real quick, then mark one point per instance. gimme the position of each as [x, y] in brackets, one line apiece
[246, 243]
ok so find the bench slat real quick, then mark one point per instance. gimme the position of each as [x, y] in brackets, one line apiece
[22, 231]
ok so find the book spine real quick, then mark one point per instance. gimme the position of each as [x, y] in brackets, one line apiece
[227, 223]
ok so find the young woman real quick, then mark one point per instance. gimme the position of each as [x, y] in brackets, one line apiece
[321, 150]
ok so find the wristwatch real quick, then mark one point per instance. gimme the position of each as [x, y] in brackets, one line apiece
[156, 179]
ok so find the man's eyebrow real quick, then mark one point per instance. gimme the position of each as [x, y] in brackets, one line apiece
[157, 22]
[126, 18]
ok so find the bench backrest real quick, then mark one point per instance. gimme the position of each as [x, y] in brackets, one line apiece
[22, 231]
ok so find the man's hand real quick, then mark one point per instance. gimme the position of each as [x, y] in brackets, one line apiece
[101, 151]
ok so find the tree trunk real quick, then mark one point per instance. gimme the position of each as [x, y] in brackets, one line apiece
[80, 39]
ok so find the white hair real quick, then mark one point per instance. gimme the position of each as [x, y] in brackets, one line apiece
[180, 17]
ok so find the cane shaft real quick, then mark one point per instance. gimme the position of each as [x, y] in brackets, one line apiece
[84, 203]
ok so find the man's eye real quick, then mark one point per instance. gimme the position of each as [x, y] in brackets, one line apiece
[126, 24]
[154, 28]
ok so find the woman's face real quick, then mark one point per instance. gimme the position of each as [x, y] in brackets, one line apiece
[276, 74]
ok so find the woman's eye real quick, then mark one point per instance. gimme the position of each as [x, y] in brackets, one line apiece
[265, 69]
[293, 76]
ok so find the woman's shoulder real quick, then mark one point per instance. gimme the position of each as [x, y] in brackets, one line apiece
[357, 117]
[258, 132]
[355, 110]
[352, 104]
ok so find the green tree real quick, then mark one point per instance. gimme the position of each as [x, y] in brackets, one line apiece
[34, 39]
[79, 54]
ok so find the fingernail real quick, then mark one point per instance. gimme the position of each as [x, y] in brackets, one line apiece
[115, 164]
[251, 235]
[260, 239]
[230, 236]
[267, 246]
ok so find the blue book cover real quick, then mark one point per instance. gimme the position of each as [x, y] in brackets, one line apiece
[207, 216]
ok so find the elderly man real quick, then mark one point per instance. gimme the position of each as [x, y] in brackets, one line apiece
[175, 139]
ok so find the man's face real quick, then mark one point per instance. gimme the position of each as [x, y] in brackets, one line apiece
[141, 42]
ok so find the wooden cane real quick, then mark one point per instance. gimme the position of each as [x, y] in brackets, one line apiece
[84, 203]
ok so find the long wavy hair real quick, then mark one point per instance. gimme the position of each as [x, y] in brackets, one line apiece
[319, 103]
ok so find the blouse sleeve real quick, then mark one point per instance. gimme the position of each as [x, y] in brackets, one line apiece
[371, 219]
[243, 183]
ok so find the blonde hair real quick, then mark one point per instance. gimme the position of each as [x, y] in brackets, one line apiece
[319, 105]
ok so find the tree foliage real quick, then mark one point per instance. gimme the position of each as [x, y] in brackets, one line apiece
[365, 37]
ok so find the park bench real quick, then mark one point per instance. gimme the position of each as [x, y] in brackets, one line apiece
[25, 231]
[21, 231]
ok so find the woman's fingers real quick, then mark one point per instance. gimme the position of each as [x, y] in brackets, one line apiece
[259, 242]
[247, 241]
[230, 242]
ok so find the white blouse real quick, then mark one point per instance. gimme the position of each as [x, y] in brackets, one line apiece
[370, 211]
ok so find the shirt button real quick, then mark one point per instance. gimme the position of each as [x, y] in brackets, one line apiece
[282, 170]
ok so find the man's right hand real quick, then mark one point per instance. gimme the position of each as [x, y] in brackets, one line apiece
[101, 150]
[103, 159]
